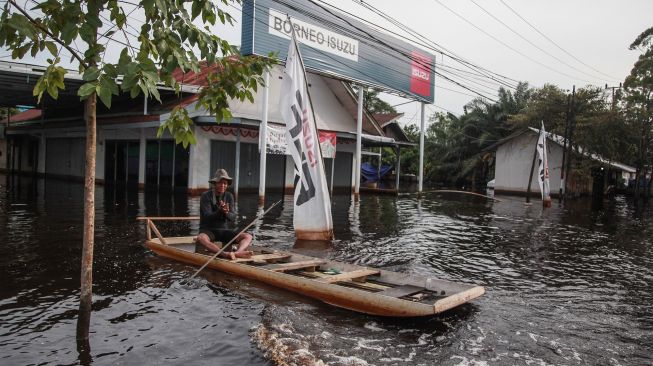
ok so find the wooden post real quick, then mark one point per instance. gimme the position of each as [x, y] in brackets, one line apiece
[564, 149]
[398, 167]
[86, 293]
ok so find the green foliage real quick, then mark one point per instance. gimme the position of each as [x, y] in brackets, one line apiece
[410, 157]
[4, 112]
[456, 149]
[168, 39]
[637, 101]
[180, 127]
[374, 104]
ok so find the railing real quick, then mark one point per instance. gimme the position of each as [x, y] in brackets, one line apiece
[152, 228]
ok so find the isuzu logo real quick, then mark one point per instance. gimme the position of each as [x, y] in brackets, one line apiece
[420, 74]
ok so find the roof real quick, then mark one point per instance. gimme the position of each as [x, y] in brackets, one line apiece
[390, 124]
[385, 118]
[28, 115]
[559, 140]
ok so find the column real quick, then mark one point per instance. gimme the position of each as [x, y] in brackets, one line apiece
[263, 139]
[359, 133]
[421, 150]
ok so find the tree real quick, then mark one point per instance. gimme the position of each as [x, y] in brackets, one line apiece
[4, 112]
[638, 103]
[374, 104]
[167, 39]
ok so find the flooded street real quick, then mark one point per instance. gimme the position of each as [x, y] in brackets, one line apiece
[564, 286]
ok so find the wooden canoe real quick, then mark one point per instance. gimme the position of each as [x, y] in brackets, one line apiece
[362, 289]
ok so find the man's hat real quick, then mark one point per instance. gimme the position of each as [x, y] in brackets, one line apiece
[219, 175]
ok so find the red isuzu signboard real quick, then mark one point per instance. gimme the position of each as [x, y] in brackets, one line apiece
[420, 74]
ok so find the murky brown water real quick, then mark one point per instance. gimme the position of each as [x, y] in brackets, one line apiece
[565, 286]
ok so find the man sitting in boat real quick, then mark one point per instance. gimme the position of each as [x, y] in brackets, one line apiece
[217, 212]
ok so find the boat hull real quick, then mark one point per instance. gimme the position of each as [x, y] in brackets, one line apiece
[345, 297]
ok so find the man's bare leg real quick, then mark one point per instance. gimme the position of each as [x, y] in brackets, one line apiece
[208, 244]
[244, 241]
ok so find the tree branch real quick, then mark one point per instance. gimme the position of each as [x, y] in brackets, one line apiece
[44, 30]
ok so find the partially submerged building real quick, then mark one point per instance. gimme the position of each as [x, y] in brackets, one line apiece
[340, 55]
[513, 158]
[50, 141]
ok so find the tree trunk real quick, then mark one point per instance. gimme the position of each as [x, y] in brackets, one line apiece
[86, 293]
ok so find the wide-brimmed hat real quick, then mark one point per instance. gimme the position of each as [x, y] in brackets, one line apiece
[219, 175]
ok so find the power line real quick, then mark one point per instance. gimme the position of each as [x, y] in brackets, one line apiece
[529, 41]
[404, 51]
[554, 43]
[507, 45]
[455, 57]
[364, 38]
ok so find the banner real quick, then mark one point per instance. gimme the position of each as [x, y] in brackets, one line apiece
[328, 144]
[276, 141]
[312, 205]
[277, 144]
[543, 165]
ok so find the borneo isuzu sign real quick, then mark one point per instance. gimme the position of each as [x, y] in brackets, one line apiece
[338, 46]
[313, 36]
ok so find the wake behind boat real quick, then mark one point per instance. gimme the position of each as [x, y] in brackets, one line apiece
[358, 288]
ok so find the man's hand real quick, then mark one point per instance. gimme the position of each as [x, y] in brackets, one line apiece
[224, 207]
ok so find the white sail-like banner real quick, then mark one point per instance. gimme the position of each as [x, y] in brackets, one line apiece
[543, 166]
[312, 206]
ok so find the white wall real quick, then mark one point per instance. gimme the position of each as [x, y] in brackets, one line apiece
[513, 163]
[329, 113]
[200, 153]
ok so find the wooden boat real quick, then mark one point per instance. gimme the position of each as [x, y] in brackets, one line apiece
[358, 288]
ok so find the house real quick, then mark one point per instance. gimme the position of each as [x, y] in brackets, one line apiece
[513, 157]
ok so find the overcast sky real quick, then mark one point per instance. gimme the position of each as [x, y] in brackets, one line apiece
[597, 32]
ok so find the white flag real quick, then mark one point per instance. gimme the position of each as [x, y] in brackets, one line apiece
[543, 165]
[312, 208]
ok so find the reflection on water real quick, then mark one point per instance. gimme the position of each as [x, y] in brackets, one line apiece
[567, 285]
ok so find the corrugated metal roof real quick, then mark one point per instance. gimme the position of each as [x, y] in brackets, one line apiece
[559, 140]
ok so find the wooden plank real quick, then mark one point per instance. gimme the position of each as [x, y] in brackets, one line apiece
[156, 232]
[401, 291]
[149, 230]
[282, 267]
[370, 286]
[358, 276]
[264, 257]
[168, 218]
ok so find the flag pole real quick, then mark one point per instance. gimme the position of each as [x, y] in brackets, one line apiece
[308, 92]
[530, 176]
[315, 230]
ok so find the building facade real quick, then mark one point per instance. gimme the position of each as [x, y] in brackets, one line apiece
[129, 152]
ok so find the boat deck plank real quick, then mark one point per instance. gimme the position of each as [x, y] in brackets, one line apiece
[358, 276]
[401, 291]
[264, 258]
[282, 267]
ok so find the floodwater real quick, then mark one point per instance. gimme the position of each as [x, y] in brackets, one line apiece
[565, 286]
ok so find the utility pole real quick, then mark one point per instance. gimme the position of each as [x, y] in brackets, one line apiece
[564, 149]
[572, 125]
[613, 88]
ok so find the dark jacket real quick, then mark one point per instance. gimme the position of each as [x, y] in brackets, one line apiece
[211, 216]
